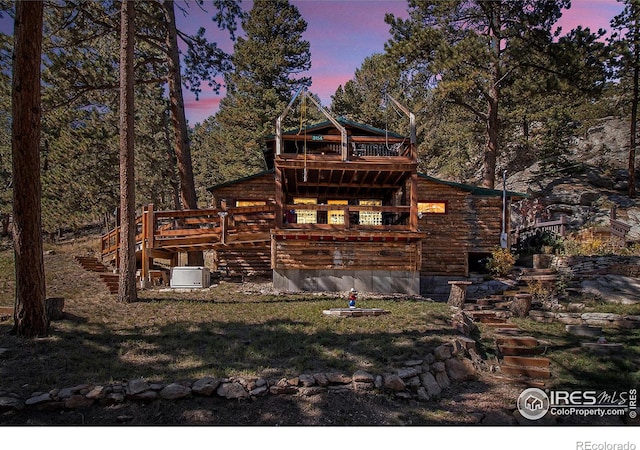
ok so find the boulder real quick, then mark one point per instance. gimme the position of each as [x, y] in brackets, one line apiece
[175, 391]
[430, 384]
[459, 370]
[206, 386]
[232, 390]
[394, 383]
[442, 352]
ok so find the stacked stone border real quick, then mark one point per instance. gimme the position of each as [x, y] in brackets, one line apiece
[421, 379]
[607, 320]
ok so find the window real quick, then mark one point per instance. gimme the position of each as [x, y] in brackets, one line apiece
[370, 217]
[432, 207]
[250, 203]
[336, 216]
[305, 215]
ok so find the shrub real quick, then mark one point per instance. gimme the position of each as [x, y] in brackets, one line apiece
[501, 262]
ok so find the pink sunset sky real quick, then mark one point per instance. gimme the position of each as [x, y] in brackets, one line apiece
[343, 33]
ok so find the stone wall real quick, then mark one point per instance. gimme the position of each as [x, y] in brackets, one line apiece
[421, 379]
[578, 266]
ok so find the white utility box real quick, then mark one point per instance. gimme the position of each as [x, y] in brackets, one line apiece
[190, 277]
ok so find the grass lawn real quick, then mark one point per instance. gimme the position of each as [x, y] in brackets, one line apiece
[247, 329]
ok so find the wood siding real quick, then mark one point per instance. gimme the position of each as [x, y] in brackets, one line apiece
[306, 254]
[472, 224]
[261, 187]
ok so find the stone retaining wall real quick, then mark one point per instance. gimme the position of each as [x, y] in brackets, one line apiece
[596, 265]
[593, 319]
[422, 379]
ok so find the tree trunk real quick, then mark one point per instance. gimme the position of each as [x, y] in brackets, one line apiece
[634, 105]
[127, 285]
[179, 121]
[493, 101]
[30, 318]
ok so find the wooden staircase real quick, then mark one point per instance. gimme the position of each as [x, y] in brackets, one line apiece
[520, 357]
[92, 264]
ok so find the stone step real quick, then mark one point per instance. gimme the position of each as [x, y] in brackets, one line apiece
[525, 361]
[480, 314]
[538, 277]
[518, 341]
[514, 350]
[528, 372]
[535, 271]
[504, 325]
[491, 319]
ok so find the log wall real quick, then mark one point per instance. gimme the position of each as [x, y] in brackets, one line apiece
[260, 187]
[306, 254]
[472, 224]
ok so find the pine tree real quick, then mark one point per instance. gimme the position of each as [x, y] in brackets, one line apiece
[469, 51]
[127, 286]
[268, 67]
[626, 43]
[30, 318]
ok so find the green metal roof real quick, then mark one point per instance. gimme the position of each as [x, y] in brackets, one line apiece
[476, 190]
[344, 122]
[240, 180]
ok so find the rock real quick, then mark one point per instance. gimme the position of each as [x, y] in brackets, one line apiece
[307, 380]
[321, 379]
[293, 381]
[430, 384]
[259, 390]
[409, 372]
[438, 366]
[338, 378]
[137, 386]
[363, 386]
[145, 396]
[413, 382]
[112, 399]
[443, 380]
[394, 383]
[10, 404]
[442, 352]
[232, 390]
[78, 401]
[283, 390]
[378, 382]
[459, 370]
[38, 399]
[423, 396]
[311, 390]
[97, 393]
[175, 391]
[413, 362]
[64, 393]
[361, 376]
[206, 386]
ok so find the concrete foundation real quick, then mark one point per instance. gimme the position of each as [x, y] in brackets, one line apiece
[378, 281]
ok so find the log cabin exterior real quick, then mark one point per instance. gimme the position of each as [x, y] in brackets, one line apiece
[351, 210]
[340, 205]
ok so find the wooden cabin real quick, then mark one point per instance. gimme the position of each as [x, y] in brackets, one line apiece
[351, 210]
[340, 205]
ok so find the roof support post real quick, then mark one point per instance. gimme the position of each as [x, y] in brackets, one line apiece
[343, 132]
[412, 126]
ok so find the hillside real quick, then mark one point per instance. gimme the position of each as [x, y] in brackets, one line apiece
[591, 179]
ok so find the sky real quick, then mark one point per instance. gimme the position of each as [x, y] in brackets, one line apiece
[342, 33]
